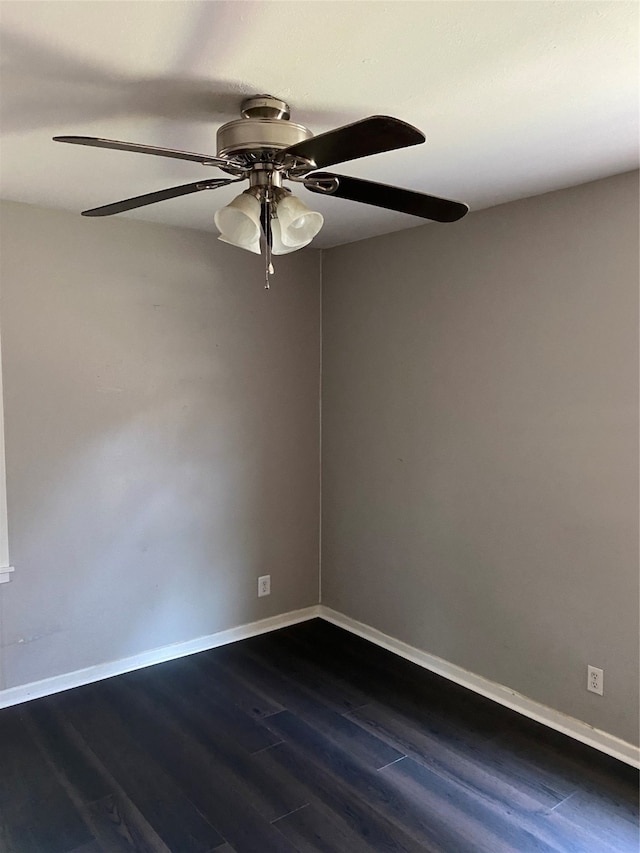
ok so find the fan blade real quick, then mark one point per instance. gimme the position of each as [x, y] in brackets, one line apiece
[382, 195]
[96, 142]
[368, 136]
[161, 195]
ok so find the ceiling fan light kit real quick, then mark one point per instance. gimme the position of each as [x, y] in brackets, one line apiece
[239, 222]
[266, 148]
[298, 224]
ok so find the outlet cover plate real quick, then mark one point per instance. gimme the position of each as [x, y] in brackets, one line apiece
[595, 680]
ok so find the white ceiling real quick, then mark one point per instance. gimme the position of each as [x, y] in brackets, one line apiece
[516, 98]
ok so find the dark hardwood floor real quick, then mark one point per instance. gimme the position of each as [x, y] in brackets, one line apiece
[306, 739]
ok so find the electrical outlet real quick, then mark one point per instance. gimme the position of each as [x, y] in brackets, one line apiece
[595, 680]
[264, 585]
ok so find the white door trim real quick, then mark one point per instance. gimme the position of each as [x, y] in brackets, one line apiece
[5, 567]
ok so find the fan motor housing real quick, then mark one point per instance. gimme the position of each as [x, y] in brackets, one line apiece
[251, 135]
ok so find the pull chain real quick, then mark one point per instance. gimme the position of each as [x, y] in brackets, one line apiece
[268, 239]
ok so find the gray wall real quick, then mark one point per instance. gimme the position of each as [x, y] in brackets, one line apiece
[161, 415]
[480, 443]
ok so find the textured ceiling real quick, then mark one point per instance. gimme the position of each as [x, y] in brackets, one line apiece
[516, 98]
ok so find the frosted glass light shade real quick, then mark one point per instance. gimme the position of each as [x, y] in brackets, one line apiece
[277, 246]
[298, 224]
[250, 247]
[239, 223]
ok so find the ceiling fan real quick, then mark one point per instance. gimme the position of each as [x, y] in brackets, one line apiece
[266, 148]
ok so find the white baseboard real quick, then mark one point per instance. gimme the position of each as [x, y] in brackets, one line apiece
[571, 726]
[58, 683]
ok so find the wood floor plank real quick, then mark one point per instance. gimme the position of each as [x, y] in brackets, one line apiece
[277, 650]
[64, 753]
[230, 721]
[481, 824]
[390, 679]
[285, 691]
[326, 789]
[357, 660]
[217, 793]
[578, 766]
[90, 847]
[316, 828]
[113, 820]
[612, 823]
[310, 739]
[36, 814]
[161, 802]
[363, 745]
[267, 658]
[308, 706]
[360, 783]
[119, 827]
[349, 816]
[230, 689]
[480, 767]
[272, 794]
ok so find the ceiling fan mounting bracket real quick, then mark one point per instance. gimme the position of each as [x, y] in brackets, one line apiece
[265, 106]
